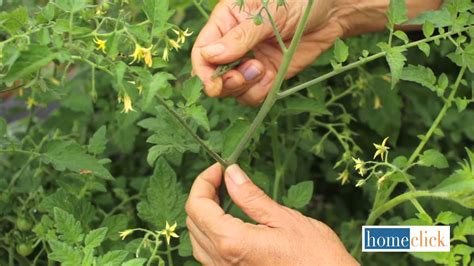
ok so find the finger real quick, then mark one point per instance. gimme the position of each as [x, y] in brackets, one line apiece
[220, 21]
[198, 252]
[256, 94]
[202, 207]
[251, 199]
[204, 242]
[235, 43]
[239, 80]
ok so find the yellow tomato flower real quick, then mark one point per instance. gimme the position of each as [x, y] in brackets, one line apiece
[174, 44]
[127, 104]
[142, 53]
[30, 103]
[182, 35]
[125, 233]
[166, 54]
[343, 177]
[147, 56]
[360, 166]
[137, 54]
[168, 232]
[381, 149]
[100, 44]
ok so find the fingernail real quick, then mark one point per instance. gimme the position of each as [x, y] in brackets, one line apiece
[251, 72]
[213, 50]
[236, 174]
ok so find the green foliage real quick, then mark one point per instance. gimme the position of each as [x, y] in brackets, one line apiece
[164, 198]
[299, 195]
[89, 180]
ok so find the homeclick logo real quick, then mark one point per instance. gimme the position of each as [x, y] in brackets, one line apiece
[405, 239]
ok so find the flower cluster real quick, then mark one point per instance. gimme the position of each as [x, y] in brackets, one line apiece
[175, 44]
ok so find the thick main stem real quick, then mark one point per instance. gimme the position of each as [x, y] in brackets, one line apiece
[272, 96]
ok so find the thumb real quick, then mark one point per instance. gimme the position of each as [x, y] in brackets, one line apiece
[235, 43]
[251, 199]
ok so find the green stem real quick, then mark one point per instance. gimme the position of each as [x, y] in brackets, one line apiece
[168, 254]
[31, 153]
[363, 61]
[201, 9]
[400, 199]
[275, 29]
[201, 142]
[272, 95]
[71, 23]
[439, 118]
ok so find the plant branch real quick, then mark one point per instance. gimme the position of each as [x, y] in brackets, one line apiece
[364, 61]
[201, 9]
[275, 29]
[439, 118]
[272, 95]
[201, 142]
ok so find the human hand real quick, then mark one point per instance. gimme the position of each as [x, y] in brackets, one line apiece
[230, 34]
[282, 236]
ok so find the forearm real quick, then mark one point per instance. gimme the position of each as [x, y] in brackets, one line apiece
[361, 16]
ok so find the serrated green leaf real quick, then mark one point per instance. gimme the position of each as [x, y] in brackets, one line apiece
[192, 90]
[115, 224]
[448, 217]
[468, 57]
[440, 18]
[459, 187]
[112, 47]
[402, 36]
[64, 253]
[69, 155]
[396, 60]
[299, 195]
[421, 75]
[461, 103]
[95, 237]
[428, 29]
[14, 20]
[71, 5]
[98, 141]
[29, 62]
[135, 262]
[397, 13]
[170, 139]
[112, 258]
[433, 158]
[425, 48]
[341, 51]
[164, 198]
[465, 228]
[199, 115]
[82, 209]
[158, 82]
[157, 12]
[67, 226]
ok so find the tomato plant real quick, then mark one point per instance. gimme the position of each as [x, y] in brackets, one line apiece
[103, 130]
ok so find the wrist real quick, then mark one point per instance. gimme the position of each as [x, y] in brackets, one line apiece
[361, 16]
